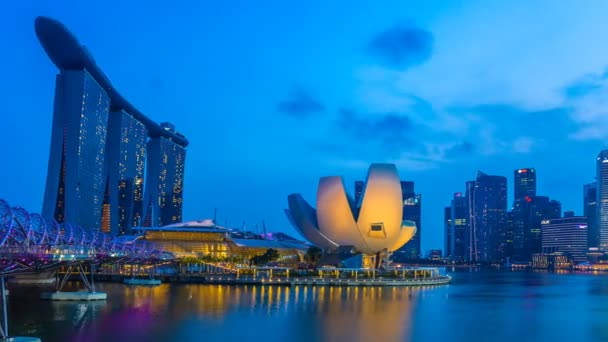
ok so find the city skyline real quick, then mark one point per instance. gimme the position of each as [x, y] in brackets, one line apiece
[239, 163]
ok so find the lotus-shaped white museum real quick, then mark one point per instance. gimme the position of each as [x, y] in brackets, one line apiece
[372, 226]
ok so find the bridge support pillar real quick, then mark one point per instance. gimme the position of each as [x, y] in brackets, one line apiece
[4, 336]
[89, 295]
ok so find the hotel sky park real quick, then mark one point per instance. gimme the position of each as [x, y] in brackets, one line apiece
[101, 146]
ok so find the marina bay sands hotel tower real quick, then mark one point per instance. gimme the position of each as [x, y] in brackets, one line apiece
[101, 145]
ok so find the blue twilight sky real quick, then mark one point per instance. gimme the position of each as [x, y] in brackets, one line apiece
[275, 94]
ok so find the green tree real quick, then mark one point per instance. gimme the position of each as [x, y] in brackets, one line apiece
[313, 255]
[272, 255]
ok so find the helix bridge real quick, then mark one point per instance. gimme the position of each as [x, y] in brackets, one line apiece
[30, 243]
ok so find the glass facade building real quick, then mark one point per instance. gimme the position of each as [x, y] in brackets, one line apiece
[602, 199]
[524, 183]
[524, 186]
[540, 208]
[359, 186]
[459, 224]
[412, 205]
[566, 235]
[489, 211]
[590, 211]
[164, 183]
[98, 146]
[126, 148]
[448, 241]
[75, 181]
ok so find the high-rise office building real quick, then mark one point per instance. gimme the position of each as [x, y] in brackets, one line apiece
[509, 236]
[602, 198]
[540, 208]
[359, 186]
[590, 211]
[448, 239]
[524, 187]
[489, 211]
[97, 143]
[470, 237]
[524, 183]
[412, 204]
[460, 224]
[164, 181]
[126, 154]
[566, 235]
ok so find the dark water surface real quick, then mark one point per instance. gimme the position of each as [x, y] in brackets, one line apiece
[477, 306]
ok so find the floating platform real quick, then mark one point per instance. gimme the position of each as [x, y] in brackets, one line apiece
[74, 296]
[20, 339]
[148, 282]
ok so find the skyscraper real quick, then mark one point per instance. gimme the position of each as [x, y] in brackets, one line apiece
[490, 209]
[359, 186]
[602, 199]
[448, 241]
[540, 208]
[164, 181]
[412, 203]
[126, 153]
[459, 224]
[470, 237]
[524, 183]
[97, 151]
[76, 176]
[590, 211]
[524, 191]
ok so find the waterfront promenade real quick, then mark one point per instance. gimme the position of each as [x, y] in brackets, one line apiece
[228, 279]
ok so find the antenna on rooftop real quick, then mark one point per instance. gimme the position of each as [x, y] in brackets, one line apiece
[214, 215]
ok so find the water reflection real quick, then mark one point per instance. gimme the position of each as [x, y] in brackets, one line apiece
[505, 306]
[187, 312]
[364, 314]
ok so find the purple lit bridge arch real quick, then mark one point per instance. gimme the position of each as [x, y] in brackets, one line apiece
[30, 243]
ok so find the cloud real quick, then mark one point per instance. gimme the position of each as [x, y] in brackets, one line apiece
[499, 129]
[402, 47]
[586, 85]
[588, 98]
[392, 131]
[300, 104]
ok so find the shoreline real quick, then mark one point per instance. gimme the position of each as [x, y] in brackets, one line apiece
[277, 281]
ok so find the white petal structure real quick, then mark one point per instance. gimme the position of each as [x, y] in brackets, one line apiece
[377, 225]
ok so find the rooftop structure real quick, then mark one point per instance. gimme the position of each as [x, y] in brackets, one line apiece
[204, 238]
[66, 52]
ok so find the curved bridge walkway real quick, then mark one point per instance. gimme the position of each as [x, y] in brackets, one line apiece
[30, 244]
